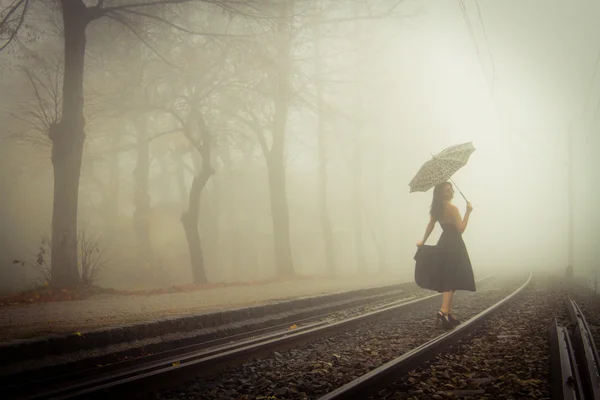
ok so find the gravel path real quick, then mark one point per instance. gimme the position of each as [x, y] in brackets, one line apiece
[26, 321]
[314, 369]
[506, 358]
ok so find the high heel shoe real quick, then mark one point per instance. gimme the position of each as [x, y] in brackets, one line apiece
[442, 318]
[453, 321]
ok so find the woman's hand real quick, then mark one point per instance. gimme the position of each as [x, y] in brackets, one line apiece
[469, 207]
[420, 243]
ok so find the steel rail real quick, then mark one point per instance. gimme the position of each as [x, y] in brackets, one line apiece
[117, 361]
[586, 353]
[373, 381]
[281, 313]
[25, 388]
[180, 369]
[566, 382]
[159, 371]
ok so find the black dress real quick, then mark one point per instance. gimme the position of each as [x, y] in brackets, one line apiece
[445, 266]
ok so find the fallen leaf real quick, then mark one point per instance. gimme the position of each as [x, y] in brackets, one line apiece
[293, 327]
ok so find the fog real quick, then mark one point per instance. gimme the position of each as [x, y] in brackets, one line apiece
[516, 78]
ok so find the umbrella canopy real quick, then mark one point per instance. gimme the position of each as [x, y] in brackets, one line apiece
[441, 167]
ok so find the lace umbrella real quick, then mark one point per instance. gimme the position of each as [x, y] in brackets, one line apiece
[441, 167]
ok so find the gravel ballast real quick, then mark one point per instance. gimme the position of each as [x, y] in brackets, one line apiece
[114, 343]
[147, 346]
[507, 357]
[314, 369]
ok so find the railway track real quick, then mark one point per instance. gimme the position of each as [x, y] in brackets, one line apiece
[107, 345]
[575, 364]
[58, 359]
[372, 382]
[137, 377]
[574, 359]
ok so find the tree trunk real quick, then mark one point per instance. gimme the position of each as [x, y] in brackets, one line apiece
[179, 155]
[189, 219]
[381, 207]
[358, 211]
[67, 149]
[203, 172]
[325, 219]
[111, 196]
[209, 229]
[281, 218]
[234, 236]
[276, 158]
[357, 164]
[141, 215]
[322, 150]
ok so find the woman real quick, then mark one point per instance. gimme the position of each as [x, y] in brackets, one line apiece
[452, 267]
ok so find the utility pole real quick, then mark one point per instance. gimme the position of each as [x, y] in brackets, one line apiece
[571, 205]
[594, 166]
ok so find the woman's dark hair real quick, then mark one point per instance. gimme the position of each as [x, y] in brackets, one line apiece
[437, 204]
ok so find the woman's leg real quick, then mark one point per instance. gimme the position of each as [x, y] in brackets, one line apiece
[450, 301]
[447, 302]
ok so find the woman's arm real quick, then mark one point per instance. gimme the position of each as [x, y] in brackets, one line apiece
[428, 231]
[460, 223]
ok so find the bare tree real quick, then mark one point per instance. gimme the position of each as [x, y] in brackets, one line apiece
[68, 134]
[326, 227]
[357, 19]
[281, 87]
[43, 110]
[197, 131]
[270, 66]
[194, 106]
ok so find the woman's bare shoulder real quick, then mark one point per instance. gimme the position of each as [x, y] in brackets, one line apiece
[449, 207]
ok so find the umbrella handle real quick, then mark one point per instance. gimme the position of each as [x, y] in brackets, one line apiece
[461, 193]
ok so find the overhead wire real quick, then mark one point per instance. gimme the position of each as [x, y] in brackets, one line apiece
[491, 86]
[586, 104]
[487, 45]
[478, 52]
[589, 97]
[465, 15]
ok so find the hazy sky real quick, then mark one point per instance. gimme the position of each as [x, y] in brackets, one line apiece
[426, 89]
[543, 53]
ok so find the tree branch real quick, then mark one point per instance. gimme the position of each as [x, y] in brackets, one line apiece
[5, 21]
[223, 4]
[132, 146]
[11, 10]
[120, 19]
[255, 126]
[147, 4]
[185, 30]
